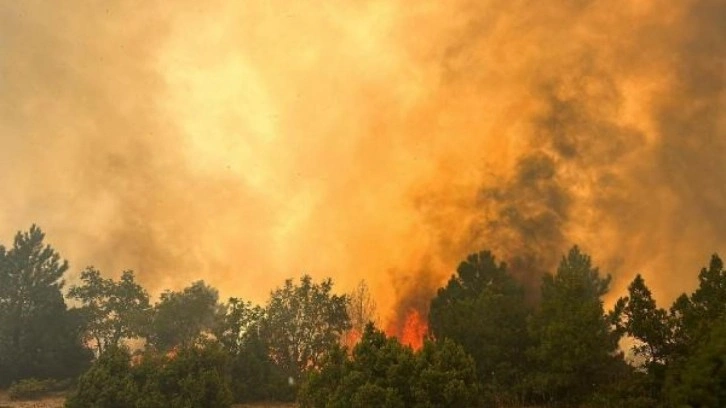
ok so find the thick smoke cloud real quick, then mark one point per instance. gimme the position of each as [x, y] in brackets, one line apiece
[385, 140]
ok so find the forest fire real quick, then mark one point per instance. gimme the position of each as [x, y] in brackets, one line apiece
[413, 330]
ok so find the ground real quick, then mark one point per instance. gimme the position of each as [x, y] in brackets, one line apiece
[57, 402]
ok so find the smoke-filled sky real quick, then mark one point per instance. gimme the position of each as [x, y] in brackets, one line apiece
[247, 142]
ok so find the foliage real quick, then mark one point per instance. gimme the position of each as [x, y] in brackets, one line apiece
[108, 383]
[302, 322]
[235, 322]
[701, 381]
[482, 308]
[39, 336]
[183, 318]
[445, 376]
[255, 377]
[115, 310]
[574, 351]
[693, 316]
[32, 388]
[638, 316]
[696, 375]
[382, 372]
[192, 377]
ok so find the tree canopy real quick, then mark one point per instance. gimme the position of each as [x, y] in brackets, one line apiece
[39, 336]
[114, 310]
[302, 322]
[483, 309]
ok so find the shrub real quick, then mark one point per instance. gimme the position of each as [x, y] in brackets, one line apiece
[32, 388]
[108, 383]
[382, 372]
[192, 377]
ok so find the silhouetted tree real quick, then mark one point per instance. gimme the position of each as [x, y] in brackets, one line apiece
[482, 308]
[39, 337]
[575, 345]
[116, 310]
[183, 318]
[382, 372]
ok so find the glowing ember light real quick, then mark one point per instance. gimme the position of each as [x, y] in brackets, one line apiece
[414, 330]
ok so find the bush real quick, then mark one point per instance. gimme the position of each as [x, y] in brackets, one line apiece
[32, 388]
[255, 377]
[192, 377]
[108, 383]
[382, 372]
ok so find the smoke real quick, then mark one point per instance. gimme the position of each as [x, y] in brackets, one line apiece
[385, 140]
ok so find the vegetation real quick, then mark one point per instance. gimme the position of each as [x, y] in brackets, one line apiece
[487, 345]
[482, 308]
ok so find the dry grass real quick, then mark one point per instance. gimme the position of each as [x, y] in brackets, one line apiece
[47, 402]
[57, 402]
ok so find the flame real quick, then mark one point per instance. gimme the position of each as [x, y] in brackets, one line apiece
[351, 338]
[413, 330]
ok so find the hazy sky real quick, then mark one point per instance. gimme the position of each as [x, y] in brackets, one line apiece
[246, 142]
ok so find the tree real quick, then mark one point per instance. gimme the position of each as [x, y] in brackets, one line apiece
[445, 376]
[235, 322]
[483, 309]
[638, 316]
[701, 380]
[302, 322]
[693, 316]
[108, 383]
[39, 337]
[195, 376]
[575, 345]
[695, 374]
[183, 318]
[255, 377]
[382, 372]
[361, 309]
[115, 310]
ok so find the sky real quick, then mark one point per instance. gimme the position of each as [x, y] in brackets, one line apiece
[244, 143]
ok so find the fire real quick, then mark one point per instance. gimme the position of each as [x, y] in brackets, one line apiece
[414, 329]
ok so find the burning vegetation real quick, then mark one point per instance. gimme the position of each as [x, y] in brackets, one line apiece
[234, 145]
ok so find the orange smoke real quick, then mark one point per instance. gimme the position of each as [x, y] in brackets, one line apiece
[244, 143]
[413, 330]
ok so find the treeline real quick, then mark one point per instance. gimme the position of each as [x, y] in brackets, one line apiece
[488, 345]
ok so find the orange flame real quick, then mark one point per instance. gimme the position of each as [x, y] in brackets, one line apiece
[414, 330]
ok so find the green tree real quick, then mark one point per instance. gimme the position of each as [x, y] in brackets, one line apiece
[649, 326]
[182, 318]
[483, 309]
[701, 380]
[695, 374]
[235, 321]
[693, 316]
[638, 316]
[39, 336]
[108, 383]
[445, 376]
[255, 377]
[193, 376]
[302, 322]
[379, 371]
[575, 345]
[196, 376]
[116, 310]
[382, 372]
